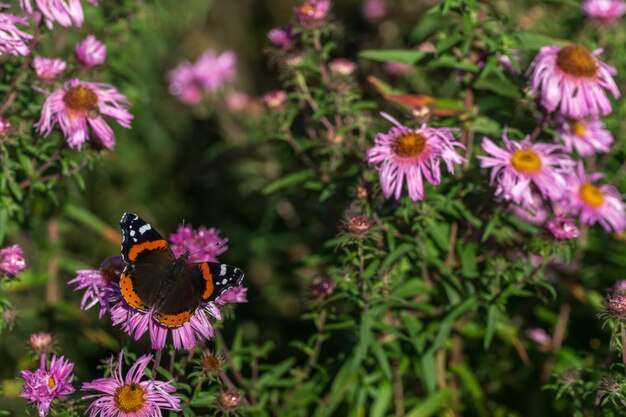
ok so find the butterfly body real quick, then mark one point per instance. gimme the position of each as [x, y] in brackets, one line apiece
[169, 288]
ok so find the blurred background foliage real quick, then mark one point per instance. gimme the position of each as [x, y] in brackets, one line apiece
[210, 167]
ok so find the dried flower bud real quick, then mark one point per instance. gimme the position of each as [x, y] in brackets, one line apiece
[420, 113]
[322, 287]
[615, 305]
[211, 363]
[293, 61]
[229, 400]
[358, 224]
[342, 66]
[361, 192]
[9, 317]
[41, 342]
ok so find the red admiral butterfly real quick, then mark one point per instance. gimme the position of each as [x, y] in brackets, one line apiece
[155, 280]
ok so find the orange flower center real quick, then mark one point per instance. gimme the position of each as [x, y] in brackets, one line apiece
[592, 195]
[578, 127]
[577, 60]
[80, 98]
[408, 144]
[51, 382]
[129, 398]
[307, 9]
[526, 161]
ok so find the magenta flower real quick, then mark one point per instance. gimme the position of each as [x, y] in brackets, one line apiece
[572, 80]
[275, 100]
[101, 286]
[42, 386]
[48, 69]
[64, 12]
[342, 66]
[5, 127]
[587, 136]
[80, 104]
[204, 245]
[604, 11]
[214, 71]
[91, 52]
[595, 204]
[311, 13]
[283, 37]
[373, 10]
[563, 228]
[12, 260]
[540, 337]
[233, 295]
[521, 164]
[130, 395]
[13, 40]
[184, 84]
[405, 154]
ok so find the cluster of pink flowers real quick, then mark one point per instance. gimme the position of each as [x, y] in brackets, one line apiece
[190, 82]
[12, 260]
[13, 40]
[604, 11]
[64, 12]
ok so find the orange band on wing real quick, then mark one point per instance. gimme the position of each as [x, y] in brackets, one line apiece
[128, 292]
[137, 249]
[208, 278]
[173, 320]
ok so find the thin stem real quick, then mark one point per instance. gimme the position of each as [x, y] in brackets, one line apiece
[231, 364]
[311, 102]
[623, 336]
[319, 339]
[398, 391]
[362, 283]
[157, 362]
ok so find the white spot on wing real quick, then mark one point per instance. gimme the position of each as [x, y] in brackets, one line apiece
[222, 270]
[143, 229]
[224, 281]
[134, 239]
[132, 233]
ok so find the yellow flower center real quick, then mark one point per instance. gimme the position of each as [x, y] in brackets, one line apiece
[51, 382]
[577, 60]
[408, 144]
[526, 161]
[592, 195]
[578, 127]
[307, 9]
[80, 98]
[129, 398]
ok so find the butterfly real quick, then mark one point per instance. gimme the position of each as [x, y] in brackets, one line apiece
[155, 280]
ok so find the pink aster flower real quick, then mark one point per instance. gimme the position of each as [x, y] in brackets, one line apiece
[13, 40]
[233, 295]
[213, 71]
[5, 127]
[604, 11]
[342, 66]
[408, 155]
[91, 52]
[587, 136]
[282, 37]
[101, 286]
[80, 104]
[312, 12]
[42, 386]
[48, 69]
[521, 164]
[373, 10]
[563, 228]
[12, 260]
[204, 245]
[64, 12]
[595, 204]
[184, 84]
[130, 395]
[572, 80]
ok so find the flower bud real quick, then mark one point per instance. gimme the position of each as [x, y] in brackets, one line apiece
[41, 342]
[322, 287]
[229, 400]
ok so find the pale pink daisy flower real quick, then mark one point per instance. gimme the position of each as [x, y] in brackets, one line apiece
[213, 71]
[131, 395]
[80, 104]
[184, 84]
[563, 228]
[312, 13]
[587, 136]
[42, 386]
[595, 204]
[13, 40]
[521, 164]
[91, 52]
[572, 80]
[604, 11]
[408, 155]
[64, 12]
[101, 285]
[48, 69]
[342, 66]
[12, 260]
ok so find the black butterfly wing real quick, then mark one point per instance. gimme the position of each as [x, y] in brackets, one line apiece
[149, 259]
[199, 282]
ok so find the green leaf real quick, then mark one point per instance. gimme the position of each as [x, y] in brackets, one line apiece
[533, 41]
[431, 405]
[382, 400]
[288, 181]
[408, 56]
[365, 337]
[379, 352]
[397, 253]
[500, 86]
[492, 317]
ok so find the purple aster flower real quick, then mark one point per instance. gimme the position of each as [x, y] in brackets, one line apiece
[540, 337]
[64, 12]
[12, 260]
[5, 127]
[604, 11]
[587, 136]
[620, 287]
[130, 395]
[91, 52]
[213, 70]
[521, 164]
[13, 40]
[42, 386]
[233, 295]
[572, 80]
[408, 155]
[342, 66]
[48, 69]
[204, 245]
[595, 204]
[184, 84]
[373, 10]
[80, 104]
[274, 100]
[101, 286]
[283, 37]
[312, 13]
[563, 228]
